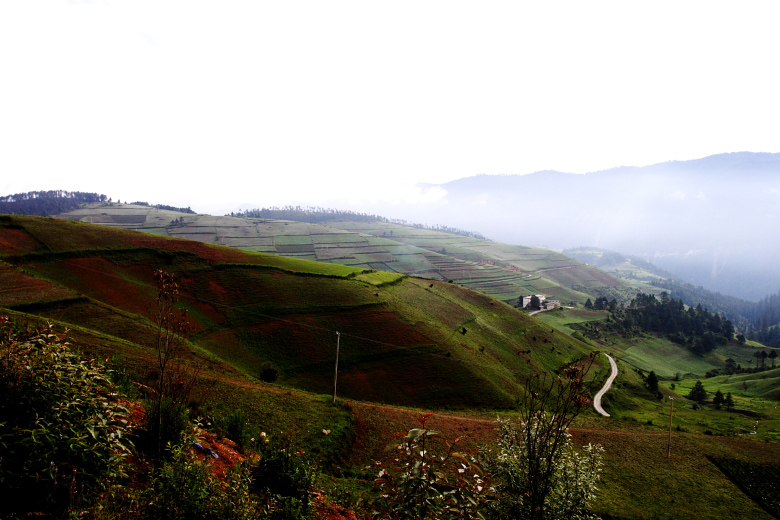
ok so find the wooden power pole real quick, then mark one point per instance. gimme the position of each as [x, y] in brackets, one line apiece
[336, 374]
[669, 444]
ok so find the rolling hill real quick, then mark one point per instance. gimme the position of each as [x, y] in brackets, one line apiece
[502, 271]
[404, 339]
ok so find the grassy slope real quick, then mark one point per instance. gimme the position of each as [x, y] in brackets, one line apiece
[502, 271]
[754, 393]
[221, 291]
[403, 340]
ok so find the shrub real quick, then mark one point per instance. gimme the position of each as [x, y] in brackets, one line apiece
[121, 374]
[543, 476]
[183, 489]
[62, 428]
[284, 477]
[171, 392]
[269, 373]
[164, 424]
[235, 427]
[572, 478]
[430, 480]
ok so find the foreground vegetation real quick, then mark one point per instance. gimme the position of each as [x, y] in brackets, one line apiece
[67, 445]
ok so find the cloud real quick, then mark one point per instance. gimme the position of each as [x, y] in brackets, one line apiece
[679, 195]
[149, 38]
[431, 195]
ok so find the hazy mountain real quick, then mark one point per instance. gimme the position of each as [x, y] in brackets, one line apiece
[711, 221]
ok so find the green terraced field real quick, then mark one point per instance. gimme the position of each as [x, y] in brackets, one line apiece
[503, 271]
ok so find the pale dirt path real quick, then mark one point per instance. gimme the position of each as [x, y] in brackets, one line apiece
[606, 387]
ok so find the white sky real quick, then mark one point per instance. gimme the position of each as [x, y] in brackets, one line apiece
[221, 105]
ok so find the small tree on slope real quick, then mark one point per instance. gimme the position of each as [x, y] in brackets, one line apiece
[543, 477]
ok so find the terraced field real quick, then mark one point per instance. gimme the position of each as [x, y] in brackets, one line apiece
[502, 271]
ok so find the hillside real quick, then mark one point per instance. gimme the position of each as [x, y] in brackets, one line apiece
[502, 271]
[404, 340]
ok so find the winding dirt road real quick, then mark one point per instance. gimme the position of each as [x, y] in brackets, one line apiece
[605, 388]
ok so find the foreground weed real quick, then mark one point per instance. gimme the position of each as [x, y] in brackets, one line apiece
[63, 430]
[430, 480]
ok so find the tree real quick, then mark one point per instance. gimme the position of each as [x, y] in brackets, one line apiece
[166, 416]
[718, 399]
[728, 329]
[535, 303]
[541, 476]
[589, 304]
[773, 356]
[729, 402]
[698, 393]
[652, 382]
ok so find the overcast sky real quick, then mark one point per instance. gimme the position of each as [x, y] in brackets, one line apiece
[220, 105]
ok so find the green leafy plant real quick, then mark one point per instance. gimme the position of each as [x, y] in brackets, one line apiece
[121, 374]
[235, 427]
[571, 476]
[183, 488]
[429, 479]
[63, 430]
[165, 420]
[540, 474]
[284, 476]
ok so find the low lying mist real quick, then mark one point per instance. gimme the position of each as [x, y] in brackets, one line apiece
[711, 221]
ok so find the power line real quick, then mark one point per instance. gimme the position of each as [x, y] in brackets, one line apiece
[241, 308]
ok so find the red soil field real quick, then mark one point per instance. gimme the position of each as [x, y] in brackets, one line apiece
[213, 254]
[17, 287]
[14, 241]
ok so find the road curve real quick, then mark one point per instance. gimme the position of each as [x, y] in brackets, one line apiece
[607, 385]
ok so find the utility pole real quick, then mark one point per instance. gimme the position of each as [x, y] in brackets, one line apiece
[669, 444]
[336, 374]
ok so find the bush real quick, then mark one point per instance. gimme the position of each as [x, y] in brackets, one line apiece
[235, 427]
[183, 489]
[572, 479]
[121, 374]
[430, 480]
[284, 477]
[164, 423]
[62, 429]
[269, 373]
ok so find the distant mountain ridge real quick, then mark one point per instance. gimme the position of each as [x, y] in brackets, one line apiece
[707, 220]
